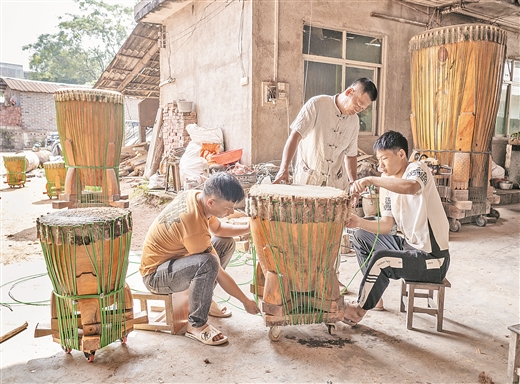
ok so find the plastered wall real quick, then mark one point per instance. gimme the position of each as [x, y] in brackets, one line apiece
[210, 47]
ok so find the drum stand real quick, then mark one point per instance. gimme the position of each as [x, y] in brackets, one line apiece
[74, 198]
[90, 324]
[282, 307]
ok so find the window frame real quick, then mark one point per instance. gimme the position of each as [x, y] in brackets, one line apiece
[508, 95]
[377, 68]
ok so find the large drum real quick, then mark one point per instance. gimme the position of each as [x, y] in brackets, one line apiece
[86, 253]
[297, 233]
[16, 166]
[456, 80]
[91, 128]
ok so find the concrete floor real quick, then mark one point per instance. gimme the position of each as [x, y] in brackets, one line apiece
[482, 303]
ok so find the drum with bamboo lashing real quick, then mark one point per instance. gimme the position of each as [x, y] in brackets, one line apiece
[91, 128]
[297, 233]
[55, 173]
[456, 78]
[86, 254]
[16, 166]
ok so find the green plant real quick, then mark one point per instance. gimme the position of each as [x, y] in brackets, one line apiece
[7, 139]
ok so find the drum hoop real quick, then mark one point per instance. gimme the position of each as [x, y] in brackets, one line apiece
[91, 95]
[54, 164]
[458, 34]
[57, 228]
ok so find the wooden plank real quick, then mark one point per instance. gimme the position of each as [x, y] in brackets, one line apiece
[13, 332]
[90, 343]
[156, 147]
[463, 205]
[42, 330]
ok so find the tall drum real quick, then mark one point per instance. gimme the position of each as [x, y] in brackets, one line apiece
[91, 128]
[86, 253]
[456, 79]
[297, 233]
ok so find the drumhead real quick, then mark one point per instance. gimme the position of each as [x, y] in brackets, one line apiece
[82, 94]
[300, 191]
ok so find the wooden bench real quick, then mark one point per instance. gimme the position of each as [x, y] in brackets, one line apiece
[173, 314]
[409, 288]
[513, 362]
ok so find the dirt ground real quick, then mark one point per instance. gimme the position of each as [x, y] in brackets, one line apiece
[480, 305]
[20, 207]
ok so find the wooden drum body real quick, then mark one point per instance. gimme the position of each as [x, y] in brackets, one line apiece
[86, 253]
[456, 80]
[16, 166]
[297, 234]
[91, 128]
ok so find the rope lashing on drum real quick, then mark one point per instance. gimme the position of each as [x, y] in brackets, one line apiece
[371, 250]
[306, 266]
[91, 128]
[16, 166]
[76, 256]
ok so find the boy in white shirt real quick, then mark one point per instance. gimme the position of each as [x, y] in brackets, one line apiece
[412, 202]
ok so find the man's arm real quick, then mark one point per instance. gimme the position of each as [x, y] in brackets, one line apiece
[221, 229]
[394, 184]
[228, 284]
[288, 153]
[383, 226]
[351, 165]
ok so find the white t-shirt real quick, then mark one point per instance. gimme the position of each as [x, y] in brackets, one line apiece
[413, 212]
[327, 137]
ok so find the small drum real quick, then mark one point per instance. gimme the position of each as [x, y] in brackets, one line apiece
[456, 81]
[55, 173]
[16, 166]
[297, 232]
[91, 128]
[86, 253]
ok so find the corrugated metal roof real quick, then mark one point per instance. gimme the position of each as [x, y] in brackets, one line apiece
[135, 70]
[24, 85]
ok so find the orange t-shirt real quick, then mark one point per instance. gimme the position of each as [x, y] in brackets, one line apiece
[180, 230]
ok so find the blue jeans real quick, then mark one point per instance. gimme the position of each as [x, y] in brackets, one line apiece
[198, 273]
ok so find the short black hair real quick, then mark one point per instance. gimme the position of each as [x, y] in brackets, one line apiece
[367, 86]
[224, 186]
[391, 140]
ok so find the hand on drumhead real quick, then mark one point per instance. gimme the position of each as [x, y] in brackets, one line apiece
[282, 177]
[358, 186]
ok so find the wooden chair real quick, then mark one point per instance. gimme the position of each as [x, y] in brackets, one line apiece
[409, 288]
[173, 315]
[513, 362]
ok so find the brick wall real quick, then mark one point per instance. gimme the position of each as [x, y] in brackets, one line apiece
[11, 135]
[38, 111]
[174, 127]
[10, 116]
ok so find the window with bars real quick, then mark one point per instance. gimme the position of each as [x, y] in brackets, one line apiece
[333, 59]
[508, 116]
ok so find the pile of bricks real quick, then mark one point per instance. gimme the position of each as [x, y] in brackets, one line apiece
[174, 127]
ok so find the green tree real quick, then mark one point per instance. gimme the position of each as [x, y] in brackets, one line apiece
[83, 46]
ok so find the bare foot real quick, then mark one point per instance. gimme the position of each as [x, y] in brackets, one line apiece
[354, 313]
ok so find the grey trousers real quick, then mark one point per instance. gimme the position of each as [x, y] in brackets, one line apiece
[393, 258]
[198, 273]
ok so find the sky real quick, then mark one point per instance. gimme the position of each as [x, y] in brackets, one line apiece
[22, 21]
